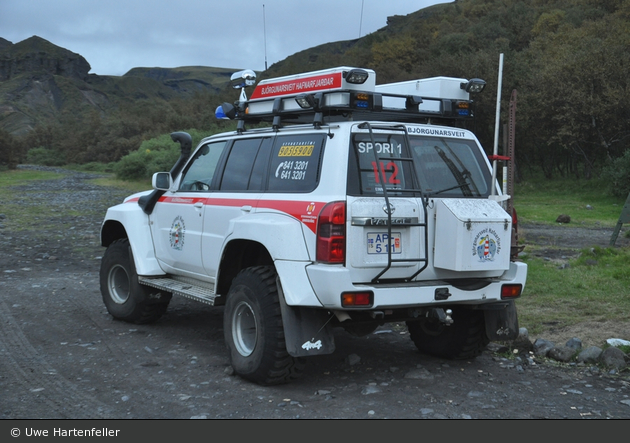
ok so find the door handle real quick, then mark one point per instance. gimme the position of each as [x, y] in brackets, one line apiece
[246, 208]
[198, 205]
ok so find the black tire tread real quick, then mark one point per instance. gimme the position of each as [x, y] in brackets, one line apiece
[465, 339]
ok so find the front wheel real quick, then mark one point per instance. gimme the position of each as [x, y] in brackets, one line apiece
[253, 329]
[124, 297]
[465, 338]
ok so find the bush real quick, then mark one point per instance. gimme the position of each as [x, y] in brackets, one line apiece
[617, 172]
[45, 157]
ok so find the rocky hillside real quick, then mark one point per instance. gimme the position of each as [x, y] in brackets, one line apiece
[40, 82]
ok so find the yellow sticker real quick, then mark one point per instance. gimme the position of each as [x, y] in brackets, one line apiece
[296, 150]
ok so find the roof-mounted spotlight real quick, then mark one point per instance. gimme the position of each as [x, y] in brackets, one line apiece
[305, 101]
[243, 79]
[356, 76]
[473, 86]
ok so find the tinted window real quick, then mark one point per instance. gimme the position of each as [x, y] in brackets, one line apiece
[295, 163]
[380, 163]
[450, 167]
[200, 172]
[443, 167]
[240, 163]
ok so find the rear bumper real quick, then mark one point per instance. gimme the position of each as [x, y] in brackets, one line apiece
[329, 282]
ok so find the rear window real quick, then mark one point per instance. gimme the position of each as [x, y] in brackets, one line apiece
[295, 163]
[437, 166]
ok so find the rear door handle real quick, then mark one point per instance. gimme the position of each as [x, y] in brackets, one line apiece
[246, 208]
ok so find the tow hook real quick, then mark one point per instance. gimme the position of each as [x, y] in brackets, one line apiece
[441, 315]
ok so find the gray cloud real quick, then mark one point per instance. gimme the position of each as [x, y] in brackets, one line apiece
[118, 35]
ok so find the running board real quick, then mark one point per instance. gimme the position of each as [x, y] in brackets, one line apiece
[176, 287]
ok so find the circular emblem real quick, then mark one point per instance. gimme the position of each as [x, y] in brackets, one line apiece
[178, 229]
[486, 247]
[391, 209]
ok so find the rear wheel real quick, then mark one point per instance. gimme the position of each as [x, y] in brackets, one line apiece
[465, 338]
[124, 297]
[253, 329]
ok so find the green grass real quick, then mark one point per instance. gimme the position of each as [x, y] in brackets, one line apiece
[595, 287]
[539, 200]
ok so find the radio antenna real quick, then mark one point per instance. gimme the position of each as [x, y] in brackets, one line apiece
[361, 19]
[265, 36]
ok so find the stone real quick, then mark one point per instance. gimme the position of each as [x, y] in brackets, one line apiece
[574, 343]
[562, 354]
[590, 355]
[542, 347]
[563, 218]
[613, 357]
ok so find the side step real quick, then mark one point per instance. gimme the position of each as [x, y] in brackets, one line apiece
[187, 289]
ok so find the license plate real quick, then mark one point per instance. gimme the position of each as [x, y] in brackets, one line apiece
[378, 243]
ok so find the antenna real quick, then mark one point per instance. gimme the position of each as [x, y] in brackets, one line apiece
[265, 35]
[361, 20]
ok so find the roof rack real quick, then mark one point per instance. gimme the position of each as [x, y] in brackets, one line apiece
[346, 93]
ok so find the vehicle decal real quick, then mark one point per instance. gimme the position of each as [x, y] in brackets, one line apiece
[486, 245]
[303, 210]
[177, 233]
[312, 345]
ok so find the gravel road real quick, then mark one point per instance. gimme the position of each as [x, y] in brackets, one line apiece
[63, 357]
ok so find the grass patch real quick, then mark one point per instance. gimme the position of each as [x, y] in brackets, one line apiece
[594, 287]
[132, 186]
[540, 200]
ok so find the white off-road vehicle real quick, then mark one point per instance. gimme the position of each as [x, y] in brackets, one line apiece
[352, 208]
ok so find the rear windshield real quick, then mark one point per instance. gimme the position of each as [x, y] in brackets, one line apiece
[444, 167]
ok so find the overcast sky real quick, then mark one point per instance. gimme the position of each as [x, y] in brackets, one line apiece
[117, 35]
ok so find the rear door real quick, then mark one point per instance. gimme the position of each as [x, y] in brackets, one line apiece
[386, 232]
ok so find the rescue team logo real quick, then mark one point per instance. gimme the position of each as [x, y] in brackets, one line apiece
[486, 245]
[309, 218]
[178, 229]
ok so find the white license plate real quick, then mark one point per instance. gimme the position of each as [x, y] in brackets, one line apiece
[378, 243]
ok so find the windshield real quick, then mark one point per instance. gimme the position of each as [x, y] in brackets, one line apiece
[443, 167]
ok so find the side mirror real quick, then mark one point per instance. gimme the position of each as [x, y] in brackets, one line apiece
[162, 181]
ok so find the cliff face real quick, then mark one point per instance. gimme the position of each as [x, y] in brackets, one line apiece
[38, 56]
[41, 82]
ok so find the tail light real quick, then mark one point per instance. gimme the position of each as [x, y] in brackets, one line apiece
[511, 291]
[331, 233]
[514, 220]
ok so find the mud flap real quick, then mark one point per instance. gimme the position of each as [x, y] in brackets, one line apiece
[501, 321]
[306, 330]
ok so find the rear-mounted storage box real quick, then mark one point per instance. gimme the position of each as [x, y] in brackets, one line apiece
[472, 235]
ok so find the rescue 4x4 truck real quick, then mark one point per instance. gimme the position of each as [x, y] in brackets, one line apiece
[349, 208]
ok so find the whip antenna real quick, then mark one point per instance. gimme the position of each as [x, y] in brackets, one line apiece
[265, 36]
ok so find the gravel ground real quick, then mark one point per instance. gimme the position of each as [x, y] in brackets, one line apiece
[62, 356]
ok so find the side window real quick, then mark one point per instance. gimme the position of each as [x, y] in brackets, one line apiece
[245, 165]
[295, 163]
[200, 172]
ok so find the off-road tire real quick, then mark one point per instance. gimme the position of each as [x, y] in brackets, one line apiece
[253, 329]
[124, 297]
[464, 339]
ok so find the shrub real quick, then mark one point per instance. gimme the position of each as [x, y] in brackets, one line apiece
[617, 172]
[45, 157]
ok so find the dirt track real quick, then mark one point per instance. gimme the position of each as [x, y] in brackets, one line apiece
[63, 356]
